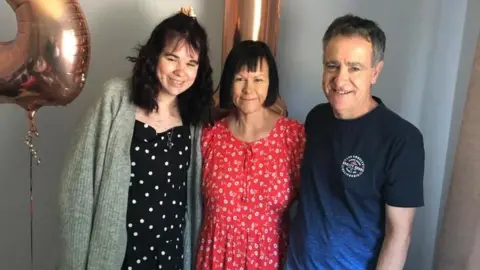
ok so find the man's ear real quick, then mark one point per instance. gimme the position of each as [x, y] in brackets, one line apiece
[376, 72]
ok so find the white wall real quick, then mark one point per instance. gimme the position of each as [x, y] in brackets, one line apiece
[429, 46]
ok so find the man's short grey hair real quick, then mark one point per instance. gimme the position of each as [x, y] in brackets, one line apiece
[350, 25]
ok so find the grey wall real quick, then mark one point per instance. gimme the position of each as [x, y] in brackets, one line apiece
[429, 50]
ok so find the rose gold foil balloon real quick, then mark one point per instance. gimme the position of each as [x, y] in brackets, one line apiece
[252, 20]
[47, 63]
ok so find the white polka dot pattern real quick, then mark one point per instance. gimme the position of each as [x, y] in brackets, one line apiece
[157, 197]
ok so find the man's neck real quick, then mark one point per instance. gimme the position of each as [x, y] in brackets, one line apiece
[357, 112]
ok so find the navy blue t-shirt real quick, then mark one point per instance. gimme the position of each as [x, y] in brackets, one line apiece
[351, 169]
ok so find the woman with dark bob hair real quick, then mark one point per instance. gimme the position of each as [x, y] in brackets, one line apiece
[131, 183]
[251, 163]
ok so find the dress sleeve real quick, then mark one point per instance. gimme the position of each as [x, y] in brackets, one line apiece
[208, 133]
[296, 144]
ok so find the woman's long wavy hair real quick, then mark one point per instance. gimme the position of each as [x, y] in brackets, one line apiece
[196, 102]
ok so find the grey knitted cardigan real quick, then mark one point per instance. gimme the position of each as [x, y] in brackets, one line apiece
[95, 182]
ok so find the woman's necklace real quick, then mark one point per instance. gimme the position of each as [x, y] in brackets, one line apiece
[161, 122]
[169, 139]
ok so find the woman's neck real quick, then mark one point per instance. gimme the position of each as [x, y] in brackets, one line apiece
[252, 126]
[165, 117]
[167, 105]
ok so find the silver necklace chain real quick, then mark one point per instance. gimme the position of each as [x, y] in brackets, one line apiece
[169, 139]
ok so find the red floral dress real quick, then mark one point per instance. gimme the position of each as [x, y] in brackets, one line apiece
[247, 189]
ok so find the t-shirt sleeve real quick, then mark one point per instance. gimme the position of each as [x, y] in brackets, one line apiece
[309, 119]
[296, 143]
[404, 186]
[319, 114]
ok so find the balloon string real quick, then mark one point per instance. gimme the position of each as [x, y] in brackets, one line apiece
[32, 131]
[31, 211]
[33, 155]
[31, 147]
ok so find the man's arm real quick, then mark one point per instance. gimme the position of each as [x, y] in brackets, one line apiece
[403, 194]
[398, 229]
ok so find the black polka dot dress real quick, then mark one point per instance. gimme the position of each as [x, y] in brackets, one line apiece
[157, 198]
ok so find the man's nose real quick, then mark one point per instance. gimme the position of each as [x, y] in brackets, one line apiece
[341, 76]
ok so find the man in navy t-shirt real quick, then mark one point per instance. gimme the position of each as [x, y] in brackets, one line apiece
[362, 174]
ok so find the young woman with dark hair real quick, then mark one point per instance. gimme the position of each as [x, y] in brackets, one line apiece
[130, 186]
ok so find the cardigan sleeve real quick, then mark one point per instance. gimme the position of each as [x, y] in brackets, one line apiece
[194, 202]
[84, 165]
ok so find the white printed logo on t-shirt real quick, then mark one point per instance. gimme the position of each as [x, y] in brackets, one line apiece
[353, 166]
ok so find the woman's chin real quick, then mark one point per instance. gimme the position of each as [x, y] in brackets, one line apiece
[250, 109]
[174, 91]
